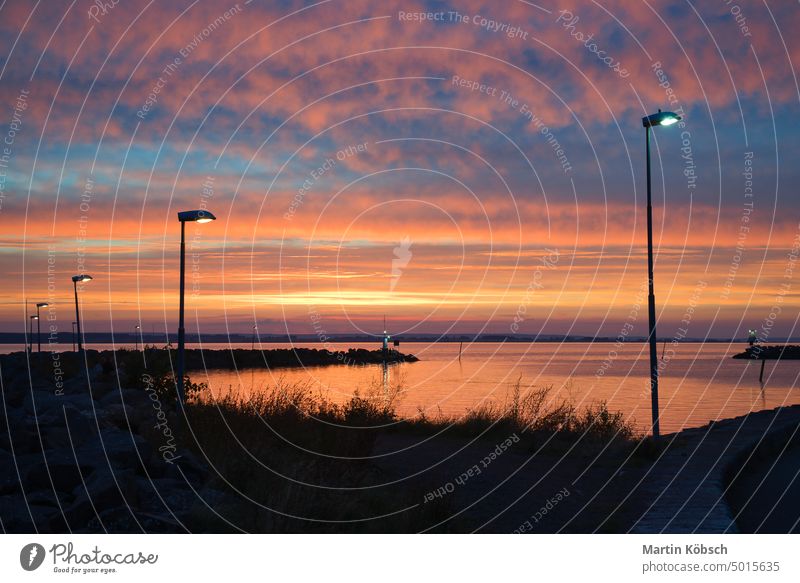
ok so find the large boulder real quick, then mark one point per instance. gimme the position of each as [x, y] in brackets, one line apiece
[9, 481]
[117, 449]
[104, 489]
[38, 402]
[100, 389]
[118, 415]
[70, 428]
[19, 517]
[59, 474]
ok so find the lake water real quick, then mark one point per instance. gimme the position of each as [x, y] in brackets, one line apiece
[698, 383]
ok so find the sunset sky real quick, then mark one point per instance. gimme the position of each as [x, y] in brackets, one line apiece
[450, 165]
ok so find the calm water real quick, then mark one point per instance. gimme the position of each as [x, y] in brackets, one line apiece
[698, 383]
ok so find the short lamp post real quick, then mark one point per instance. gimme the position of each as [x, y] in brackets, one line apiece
[39, 325]
[82, 278]
[199, 216]
[30, 334]
[136, 332]
[662, 118]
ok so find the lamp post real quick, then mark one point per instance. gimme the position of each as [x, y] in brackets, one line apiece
[662, 118]
[136, 336]
[82, 278]
[39, 325]
[253, 343]
[73, 336]
[199, 216]
[30, 333]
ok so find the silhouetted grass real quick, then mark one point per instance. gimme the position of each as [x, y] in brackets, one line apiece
[298, 461]
[302, 461]
[536, 413]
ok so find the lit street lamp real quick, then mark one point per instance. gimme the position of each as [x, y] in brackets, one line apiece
[199, 216]
[39, 325]
[136, 336]
[83, 278]
[662, 118]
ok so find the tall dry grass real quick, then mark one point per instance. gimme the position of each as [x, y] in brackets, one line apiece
[299, 462]
[533, 411]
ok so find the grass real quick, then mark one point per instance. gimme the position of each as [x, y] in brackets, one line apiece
[296, 461]
[290, 454]
[535, 413]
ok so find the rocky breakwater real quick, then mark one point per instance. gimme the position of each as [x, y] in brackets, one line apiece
[239, 358]
[82, 451]
[777, 352]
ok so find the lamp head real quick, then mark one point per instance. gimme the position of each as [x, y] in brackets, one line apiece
[199, 216]
[42, 305]
[34, 317]
[662, 118]
[82, 278]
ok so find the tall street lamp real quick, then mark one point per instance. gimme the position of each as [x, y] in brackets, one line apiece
[199, 216]
[39, 325]
[30, 333]
[82, 278]
[662, 118]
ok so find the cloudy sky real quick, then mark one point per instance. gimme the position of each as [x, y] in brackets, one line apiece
[459, 167]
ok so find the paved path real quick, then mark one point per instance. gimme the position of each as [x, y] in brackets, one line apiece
[683, 492]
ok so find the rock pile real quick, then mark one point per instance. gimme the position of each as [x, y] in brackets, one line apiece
[87, 455]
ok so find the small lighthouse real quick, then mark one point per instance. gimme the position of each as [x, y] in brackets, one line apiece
[385, 340]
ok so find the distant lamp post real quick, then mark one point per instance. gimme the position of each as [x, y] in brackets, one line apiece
[253, 343]
[82, 278]
[200, 216]
[30, 333]
[39, 325]
[662, 118]
[136, 336]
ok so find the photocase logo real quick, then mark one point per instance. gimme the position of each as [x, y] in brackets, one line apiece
[31, 556]
[402, 255]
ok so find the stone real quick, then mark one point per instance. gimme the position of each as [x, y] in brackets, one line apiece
[49, 498]
[39, 402]
[19, 517]
[103, 490]
[118, 448]
[9, 482]
[68, 428]
[100, 389]
[64, 475]
[14, 394]
[119, 415]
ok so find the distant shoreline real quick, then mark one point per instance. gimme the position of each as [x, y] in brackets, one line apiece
[162, 339]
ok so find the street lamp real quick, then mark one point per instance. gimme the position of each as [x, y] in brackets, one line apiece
[30, 333]
[82, 278]
[199, 216]
[662, 118]
[39, 325]
[136, 336]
